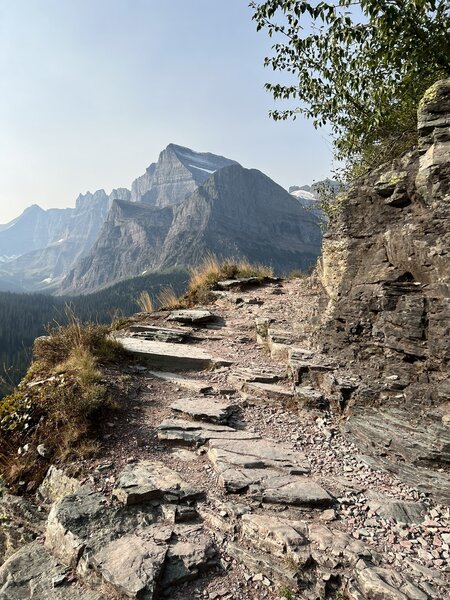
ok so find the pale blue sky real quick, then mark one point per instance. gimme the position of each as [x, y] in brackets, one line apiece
[92, 90]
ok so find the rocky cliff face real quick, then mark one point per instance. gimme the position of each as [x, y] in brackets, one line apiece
[237, 212]
[386, 272]
[241, 212]
[129, 244]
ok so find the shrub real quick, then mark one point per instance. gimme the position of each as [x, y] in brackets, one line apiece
[59, 399]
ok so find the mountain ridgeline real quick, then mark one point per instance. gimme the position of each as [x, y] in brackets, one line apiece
[185, 205]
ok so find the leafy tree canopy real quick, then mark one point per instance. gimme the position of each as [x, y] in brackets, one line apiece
[359, 66]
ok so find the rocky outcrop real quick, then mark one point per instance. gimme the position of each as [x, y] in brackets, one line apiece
[237, 212]
[386, 272]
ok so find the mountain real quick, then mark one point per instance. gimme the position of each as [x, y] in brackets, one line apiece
[178, 172]
[236, 212]
[40, 247]
[34, 228]
[184, 205]
[45, 243]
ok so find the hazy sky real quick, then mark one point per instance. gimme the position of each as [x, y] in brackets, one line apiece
[93, 90]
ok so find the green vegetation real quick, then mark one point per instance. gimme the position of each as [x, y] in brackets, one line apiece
[24, 317]
[359, 66]
[286, 593]
[57, 404]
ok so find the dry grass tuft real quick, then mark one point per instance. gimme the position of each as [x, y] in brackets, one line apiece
[145, 302]
[168, 300]
[59, 401]
[204, 277]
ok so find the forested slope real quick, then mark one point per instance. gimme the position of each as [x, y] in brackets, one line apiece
[23, 317]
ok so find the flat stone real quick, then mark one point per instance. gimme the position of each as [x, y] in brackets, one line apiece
[230, 284]
[190, 384]
[256, 454]
[296, 491]
[267, 390]
[191, 316]
[197, 432]
[203, 409]
[398, 510]
[284, 538]
[82, 524]
[178, 357]
[161, 334]
[147, 480]
[29, 574]
[249, 376]
[132, 564]
[267, 470]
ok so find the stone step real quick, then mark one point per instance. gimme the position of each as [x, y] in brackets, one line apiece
[147, 480]
[194, 385]
[213, 411]
[178, 357]
[252, 376]
[192, 316]
[269, 472]
[267, 390]
[161, 334]
[197, 432]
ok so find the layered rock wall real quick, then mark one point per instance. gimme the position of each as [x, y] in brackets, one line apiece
[386, 271]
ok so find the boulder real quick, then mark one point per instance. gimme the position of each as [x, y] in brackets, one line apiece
[146, 480]
[33, 573]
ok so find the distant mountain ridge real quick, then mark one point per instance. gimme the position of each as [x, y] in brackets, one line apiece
[185, 204]
[236, 212]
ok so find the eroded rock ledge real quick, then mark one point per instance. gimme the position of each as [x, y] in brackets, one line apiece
[386, 272]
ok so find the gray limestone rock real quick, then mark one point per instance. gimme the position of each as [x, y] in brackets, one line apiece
[191, 316]
[171, 356]
[132, 564]
[193, 432]
[398, 510]
[284, 538]
[213, 411]
[146, 480]
[30, 574]
[160, 334]
[191, 552]
[56, 485]
[296, 491]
